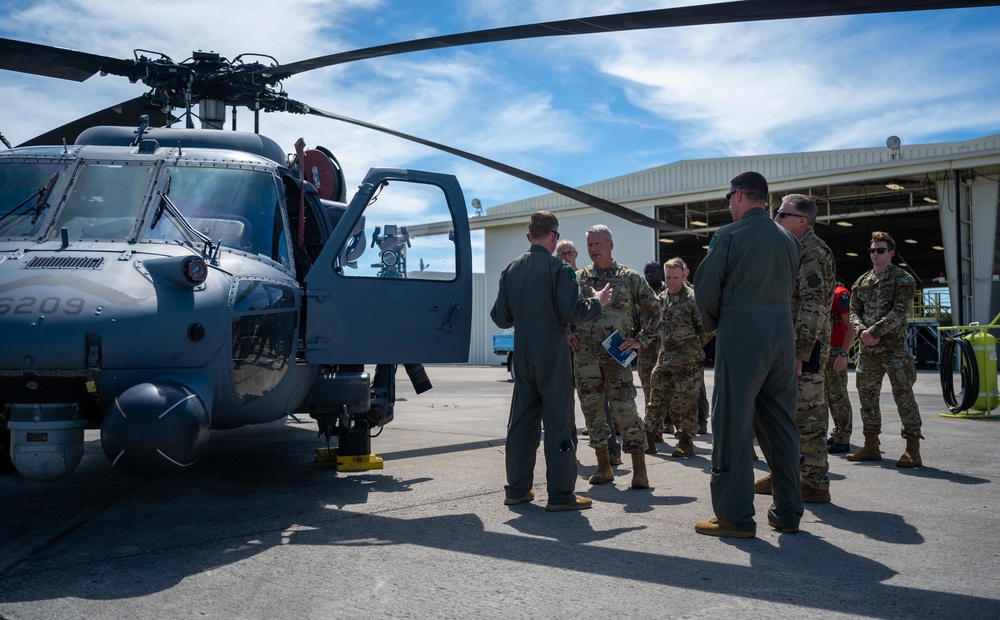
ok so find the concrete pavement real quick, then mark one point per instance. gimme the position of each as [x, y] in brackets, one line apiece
[257, 530]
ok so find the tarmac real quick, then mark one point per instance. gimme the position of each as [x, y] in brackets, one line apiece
[256, 529]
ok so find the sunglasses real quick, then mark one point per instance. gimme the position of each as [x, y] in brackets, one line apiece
[729, 194]
[878, 250]
[784, 214]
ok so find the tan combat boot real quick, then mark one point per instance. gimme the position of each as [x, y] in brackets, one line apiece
[578, 503]
[640, 479]
[651, 443]
[604, 473]
[868, 452]
[684, 447]
[763, 486]
[911, 458]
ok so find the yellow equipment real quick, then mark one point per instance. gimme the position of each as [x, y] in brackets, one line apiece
[984, 345]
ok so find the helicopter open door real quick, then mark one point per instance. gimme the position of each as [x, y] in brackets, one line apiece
[408, 297]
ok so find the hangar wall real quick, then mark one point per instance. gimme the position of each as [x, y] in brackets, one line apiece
[633, 248]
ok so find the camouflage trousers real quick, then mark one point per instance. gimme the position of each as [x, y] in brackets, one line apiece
[812, 419]
[644, 364]
[674, 395]
[594, 380]
[873, 366]
[837, 400]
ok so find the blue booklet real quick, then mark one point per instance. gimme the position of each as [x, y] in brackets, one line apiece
[611, 344]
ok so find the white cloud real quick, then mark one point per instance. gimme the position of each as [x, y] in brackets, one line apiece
[575, 109]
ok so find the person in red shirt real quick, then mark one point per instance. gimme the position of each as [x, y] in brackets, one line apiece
[837, 400]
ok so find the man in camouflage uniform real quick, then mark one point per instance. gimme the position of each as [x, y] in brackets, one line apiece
[678, 376]
[811, 315]
[880, 307]
[539, 297]
[837, 400]
[703, 408]
[598, 374]
[566, 250]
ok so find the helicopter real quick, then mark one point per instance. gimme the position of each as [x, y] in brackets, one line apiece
[159, 282]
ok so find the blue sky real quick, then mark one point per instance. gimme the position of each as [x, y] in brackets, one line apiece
[575, 109]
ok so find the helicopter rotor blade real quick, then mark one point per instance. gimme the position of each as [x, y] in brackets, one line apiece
[570, 192]
[719, 13]
[125, 113]
[59, 62]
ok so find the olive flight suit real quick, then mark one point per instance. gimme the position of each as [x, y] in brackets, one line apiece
[743, 289]
[539, 297]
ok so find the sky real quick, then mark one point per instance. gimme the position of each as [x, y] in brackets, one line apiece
[574, 109]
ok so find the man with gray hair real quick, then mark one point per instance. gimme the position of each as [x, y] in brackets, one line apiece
[598, 374]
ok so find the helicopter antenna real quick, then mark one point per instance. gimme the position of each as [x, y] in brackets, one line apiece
[143, 126]
[300, 160]
[3, 139]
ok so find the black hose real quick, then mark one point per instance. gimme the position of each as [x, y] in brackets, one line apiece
[969, 372]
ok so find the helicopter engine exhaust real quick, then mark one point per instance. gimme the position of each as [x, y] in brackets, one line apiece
[156, 428]
[418, 377]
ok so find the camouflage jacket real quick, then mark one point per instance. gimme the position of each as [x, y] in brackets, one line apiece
[881, 304]
[682, 337]
[813, 295]
[631, 295]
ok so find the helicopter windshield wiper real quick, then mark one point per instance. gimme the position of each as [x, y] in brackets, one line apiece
[185, 226]
[162, 192]
[41, 196]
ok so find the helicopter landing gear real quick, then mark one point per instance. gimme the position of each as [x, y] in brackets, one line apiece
[341, 404]
[354, 446]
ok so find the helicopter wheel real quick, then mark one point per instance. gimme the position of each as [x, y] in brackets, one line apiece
[6, 464]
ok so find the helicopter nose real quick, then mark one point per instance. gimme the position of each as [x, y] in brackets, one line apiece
[156, 428]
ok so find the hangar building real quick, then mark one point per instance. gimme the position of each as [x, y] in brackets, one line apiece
[938, 201]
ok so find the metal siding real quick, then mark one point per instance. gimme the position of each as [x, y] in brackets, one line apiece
[503, 244]
[480, 322]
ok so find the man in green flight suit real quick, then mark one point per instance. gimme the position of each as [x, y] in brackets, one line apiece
[743, 289]
[811, 315]
[539, 297]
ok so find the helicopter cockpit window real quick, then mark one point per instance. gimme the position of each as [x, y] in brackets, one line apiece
[105, 201]
[26, 200]
[408, 228]
[240, 207]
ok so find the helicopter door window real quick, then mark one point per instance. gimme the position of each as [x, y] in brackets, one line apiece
[23, 212]
[238, 206]
[104, 201]
[409, 231]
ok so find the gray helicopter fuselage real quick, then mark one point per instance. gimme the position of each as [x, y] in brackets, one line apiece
[90, 315]
[157, 292]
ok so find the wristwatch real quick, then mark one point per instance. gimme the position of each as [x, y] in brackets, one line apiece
[843, 354]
